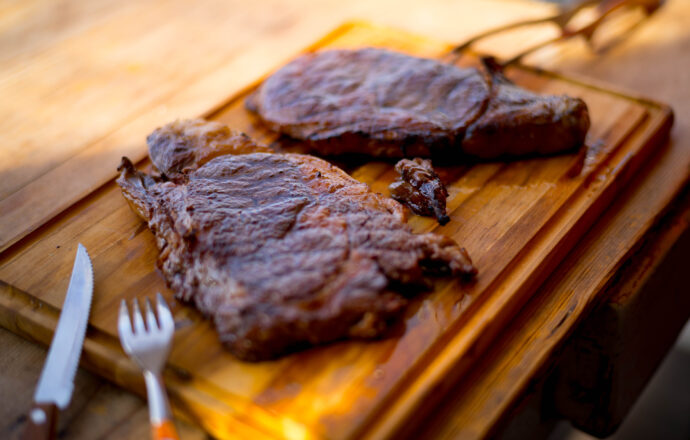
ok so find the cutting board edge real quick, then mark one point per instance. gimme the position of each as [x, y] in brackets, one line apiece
[380, 426]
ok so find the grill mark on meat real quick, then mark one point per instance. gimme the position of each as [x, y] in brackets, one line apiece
[387, 104]
[282, 251]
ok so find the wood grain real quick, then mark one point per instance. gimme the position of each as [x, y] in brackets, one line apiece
[144, 87]
[133, 65]
[517, 219]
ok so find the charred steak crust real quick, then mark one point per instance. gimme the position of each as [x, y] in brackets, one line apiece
[282, 251]
[388, 104]
[419, 187]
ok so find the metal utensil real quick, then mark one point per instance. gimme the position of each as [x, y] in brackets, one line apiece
[56, 384]
[149, 345]
[565, 13]
[563, 19]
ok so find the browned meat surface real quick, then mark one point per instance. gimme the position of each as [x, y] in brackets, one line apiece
[387, 104]
[420, 188]
[518, 122]
[192, 143]
[282, 251]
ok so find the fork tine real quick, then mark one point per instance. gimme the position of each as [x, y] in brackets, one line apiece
[165, 318]
[150, 317]
[138, 318]
[149, 349]
[124, 324]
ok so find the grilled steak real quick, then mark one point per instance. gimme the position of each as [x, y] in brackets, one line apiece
[420, 188]
[282, 251]
[387, 104]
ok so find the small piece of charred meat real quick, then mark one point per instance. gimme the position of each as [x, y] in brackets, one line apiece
[420, 188]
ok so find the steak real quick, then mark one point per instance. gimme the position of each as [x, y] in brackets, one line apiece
[420, 188]
[388, 104]
[281, 251]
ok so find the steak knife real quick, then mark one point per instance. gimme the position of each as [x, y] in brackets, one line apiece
[55, 386]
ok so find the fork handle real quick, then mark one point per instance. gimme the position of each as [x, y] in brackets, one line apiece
[164, 431]
[162, 426]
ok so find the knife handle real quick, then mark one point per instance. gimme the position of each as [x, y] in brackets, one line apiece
[42, 422]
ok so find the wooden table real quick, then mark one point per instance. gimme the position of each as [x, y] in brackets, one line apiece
[81, 85]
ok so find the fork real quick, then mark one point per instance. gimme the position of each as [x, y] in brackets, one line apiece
[149, 345]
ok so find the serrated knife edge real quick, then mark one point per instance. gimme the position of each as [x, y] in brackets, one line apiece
[57, 378]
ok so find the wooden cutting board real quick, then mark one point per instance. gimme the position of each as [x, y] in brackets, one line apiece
[517, 219]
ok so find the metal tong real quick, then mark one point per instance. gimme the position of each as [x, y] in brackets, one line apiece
[564, 20]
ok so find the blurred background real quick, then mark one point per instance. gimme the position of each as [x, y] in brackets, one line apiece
[663, 409]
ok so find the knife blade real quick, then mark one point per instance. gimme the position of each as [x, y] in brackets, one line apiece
[56, 383]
